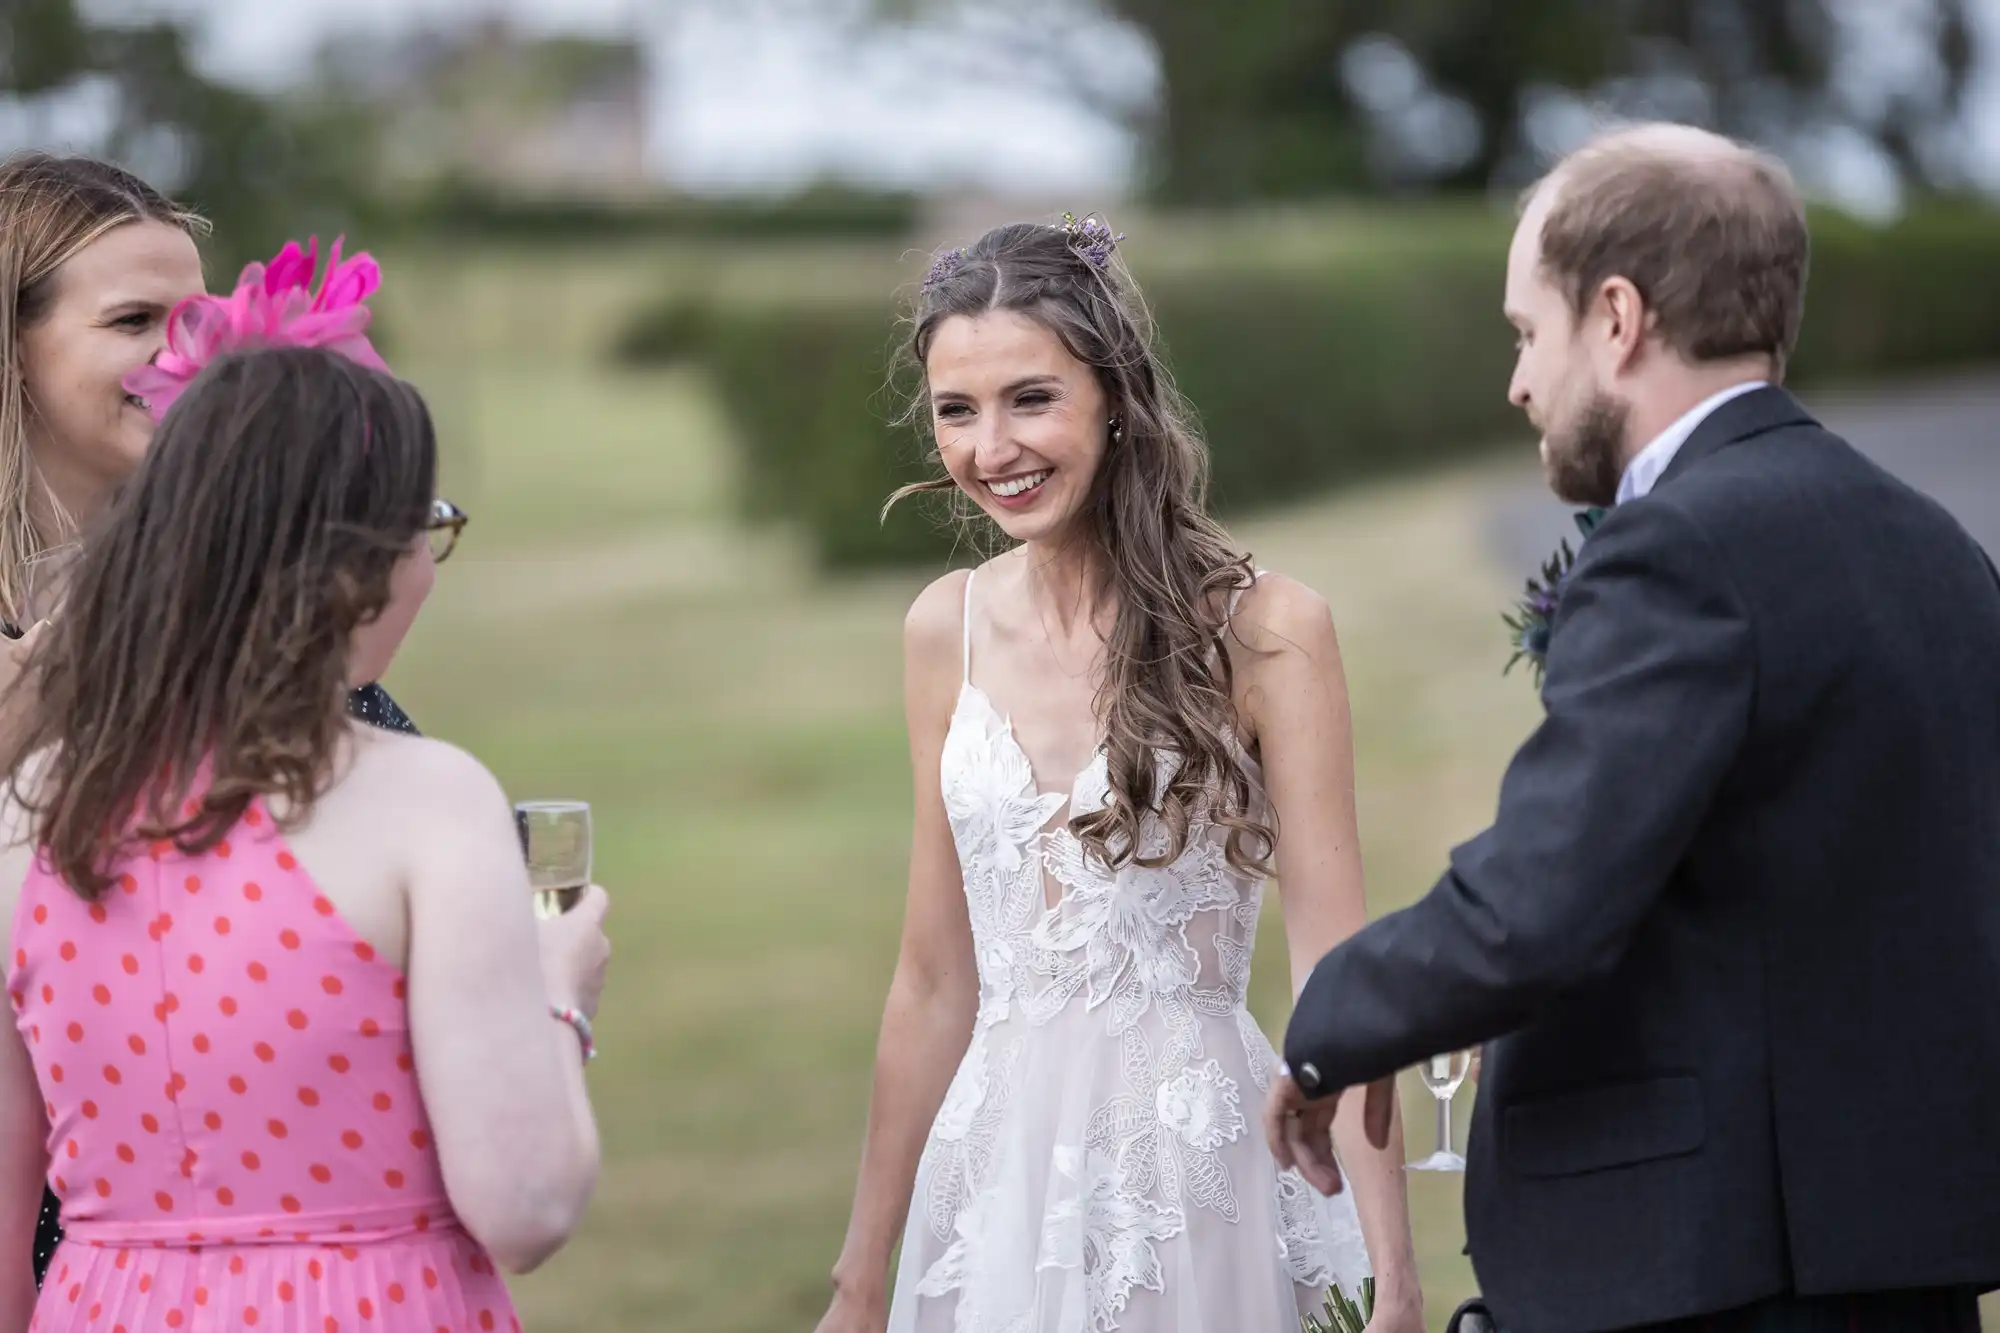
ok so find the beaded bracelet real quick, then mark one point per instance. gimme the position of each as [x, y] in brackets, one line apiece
[581, 1025]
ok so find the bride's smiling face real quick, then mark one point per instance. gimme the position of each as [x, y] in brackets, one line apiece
[1021, 425]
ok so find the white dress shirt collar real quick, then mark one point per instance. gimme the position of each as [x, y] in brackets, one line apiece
[1644, 471]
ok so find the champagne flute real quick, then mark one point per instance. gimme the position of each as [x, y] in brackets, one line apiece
[1442, 1075]
[555, 839]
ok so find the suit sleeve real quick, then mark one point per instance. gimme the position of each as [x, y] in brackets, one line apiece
[1649, 679]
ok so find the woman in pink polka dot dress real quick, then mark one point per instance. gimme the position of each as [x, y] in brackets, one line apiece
[285, 1049]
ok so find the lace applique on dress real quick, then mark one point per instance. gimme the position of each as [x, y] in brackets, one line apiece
[1097, 1164]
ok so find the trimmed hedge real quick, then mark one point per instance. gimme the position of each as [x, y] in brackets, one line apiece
[1914, 296]
[1382, 358]
[466, 209]
[667, 334]
[809, 395]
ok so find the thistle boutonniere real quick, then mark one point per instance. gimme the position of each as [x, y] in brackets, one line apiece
[1534, 616]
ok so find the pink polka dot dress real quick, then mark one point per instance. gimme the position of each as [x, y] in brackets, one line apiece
[236, 1132]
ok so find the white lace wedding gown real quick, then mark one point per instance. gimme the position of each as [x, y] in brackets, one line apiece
[1099, 1161]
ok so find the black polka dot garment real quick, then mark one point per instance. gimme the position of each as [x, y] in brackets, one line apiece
[371, 704]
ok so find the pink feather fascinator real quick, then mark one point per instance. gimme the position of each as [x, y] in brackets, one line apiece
[274, 305]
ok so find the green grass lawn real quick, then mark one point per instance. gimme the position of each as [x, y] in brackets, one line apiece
[609, 632]
[742, 742]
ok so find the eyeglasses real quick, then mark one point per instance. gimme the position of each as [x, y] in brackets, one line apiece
[446, 523]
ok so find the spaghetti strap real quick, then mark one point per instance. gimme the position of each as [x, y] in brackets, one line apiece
[1236, 598]
[965, 650]
[1218, 649]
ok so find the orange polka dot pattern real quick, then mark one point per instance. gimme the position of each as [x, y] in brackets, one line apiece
[236, 1133]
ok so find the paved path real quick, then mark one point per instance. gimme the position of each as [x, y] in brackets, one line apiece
[1942, 436]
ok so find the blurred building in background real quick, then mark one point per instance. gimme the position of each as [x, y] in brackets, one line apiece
[487, 103]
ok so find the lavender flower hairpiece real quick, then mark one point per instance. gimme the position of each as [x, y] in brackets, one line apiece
[944, 269]
[1091, 239]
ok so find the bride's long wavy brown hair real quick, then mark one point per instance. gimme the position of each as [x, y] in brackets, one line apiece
[200, 658]
[1169, 569]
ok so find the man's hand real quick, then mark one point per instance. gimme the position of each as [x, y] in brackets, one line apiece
[17, 688]
[1300, 1132]
[16, 653]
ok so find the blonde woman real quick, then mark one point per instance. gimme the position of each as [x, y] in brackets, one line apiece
[91, 260]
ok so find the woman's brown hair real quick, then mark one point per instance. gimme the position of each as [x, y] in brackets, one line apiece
[50, 209]
[200, 658]
[1169, 568]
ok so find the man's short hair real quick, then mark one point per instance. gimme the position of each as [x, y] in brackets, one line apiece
[1711, 232]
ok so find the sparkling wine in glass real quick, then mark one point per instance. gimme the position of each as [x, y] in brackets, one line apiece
[1442, 1074]
[555, 838]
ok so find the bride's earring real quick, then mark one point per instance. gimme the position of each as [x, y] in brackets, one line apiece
[1117, 429]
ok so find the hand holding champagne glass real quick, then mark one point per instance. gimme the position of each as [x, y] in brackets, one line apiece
[556, 839]
[556, 843]
[576, 952]
[1442, 1074]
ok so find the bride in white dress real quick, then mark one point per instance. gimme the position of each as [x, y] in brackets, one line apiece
[1109, 725]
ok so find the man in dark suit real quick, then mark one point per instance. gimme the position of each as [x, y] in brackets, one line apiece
[1734, 936]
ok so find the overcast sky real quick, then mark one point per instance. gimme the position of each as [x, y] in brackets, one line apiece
[766, 94]
[762, 94]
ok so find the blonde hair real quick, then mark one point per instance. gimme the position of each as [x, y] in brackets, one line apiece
[1712, 232]
[51, 208]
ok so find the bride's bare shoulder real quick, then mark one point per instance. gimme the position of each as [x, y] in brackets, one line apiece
[933, 627]
[1278, 613]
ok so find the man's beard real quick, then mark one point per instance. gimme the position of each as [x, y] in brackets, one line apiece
[1583, 459]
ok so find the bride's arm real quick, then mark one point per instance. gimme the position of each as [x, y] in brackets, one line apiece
[927, 1023]
[1293, 692]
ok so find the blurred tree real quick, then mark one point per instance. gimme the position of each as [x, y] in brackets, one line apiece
[1766, 69]
[43, 45]
[1272, 98]
[258, 170]
[1252, 104]
[1489, 57]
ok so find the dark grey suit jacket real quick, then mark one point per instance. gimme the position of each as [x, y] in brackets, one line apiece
[1734, 936]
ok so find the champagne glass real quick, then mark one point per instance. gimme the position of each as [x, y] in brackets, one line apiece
[1442, 1074]
[555, 838]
